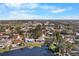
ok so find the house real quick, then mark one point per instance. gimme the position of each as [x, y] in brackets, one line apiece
[18, 41]
[2, 43]
[8, 30]
[2, 46]
[69, 38]
[18, 37]
[5, 36]
[29, 40]
[77, 34]
[50, 33]
[41, 40]
[43, 35]
[63, 36]
[77, 38]
[1, 33]
[14, 45]
[8, 43]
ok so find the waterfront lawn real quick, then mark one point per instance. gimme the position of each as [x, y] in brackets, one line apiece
[33, 44]
[3, 50]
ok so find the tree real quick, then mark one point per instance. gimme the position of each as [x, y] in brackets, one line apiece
[17, 29]
[37, 32]
[63, 46]
[59, 42]
[2, 28]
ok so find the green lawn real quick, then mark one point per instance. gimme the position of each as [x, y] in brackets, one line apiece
[3, 50]
[34, 44]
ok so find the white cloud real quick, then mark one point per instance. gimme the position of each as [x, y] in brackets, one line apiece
[48, 7]
[55, 9]
[17, 5]
[32, 5]
[16, 15]
[27, 16]
[58, 10]
[73, 17]
[22, 15]
[21, 5]
[27, 13]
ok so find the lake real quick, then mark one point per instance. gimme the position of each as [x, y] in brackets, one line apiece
[36, 51]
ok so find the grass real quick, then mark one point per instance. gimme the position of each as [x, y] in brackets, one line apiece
[4, 50]
[33, 44]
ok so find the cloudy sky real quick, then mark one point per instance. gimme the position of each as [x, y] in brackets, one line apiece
[14, 11]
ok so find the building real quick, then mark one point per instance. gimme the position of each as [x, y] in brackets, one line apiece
[41, 40]
[29, 40]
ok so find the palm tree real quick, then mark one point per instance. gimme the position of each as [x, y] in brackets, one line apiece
[59, 42]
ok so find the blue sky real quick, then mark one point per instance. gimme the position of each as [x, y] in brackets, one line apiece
[14, 11]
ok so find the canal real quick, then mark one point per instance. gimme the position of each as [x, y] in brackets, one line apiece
[36, 51]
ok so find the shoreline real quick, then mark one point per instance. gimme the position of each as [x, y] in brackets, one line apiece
[20, 47]
[11, 49]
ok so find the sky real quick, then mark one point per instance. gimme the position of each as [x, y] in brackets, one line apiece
[19, 11]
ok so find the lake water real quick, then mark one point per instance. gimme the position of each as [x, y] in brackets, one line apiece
[42, 51]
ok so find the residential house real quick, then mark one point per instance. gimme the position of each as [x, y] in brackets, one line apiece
[2, 43]
[77, 34]
[29, 40]
[14, 45]
[41, 40]
[8, 43]
[8, 30]
[70, 38]
[18, 37]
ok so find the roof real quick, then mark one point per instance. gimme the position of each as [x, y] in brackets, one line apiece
[18, 41]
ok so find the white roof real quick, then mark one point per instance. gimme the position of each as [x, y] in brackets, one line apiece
[77, 33]
[40, 39]
[29, 39]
